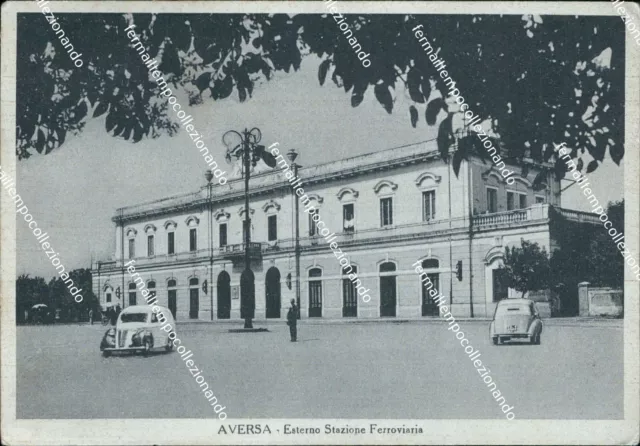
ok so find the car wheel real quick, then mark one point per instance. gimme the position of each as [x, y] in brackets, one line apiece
[537, 342]
[169, 346]
[106, 353]
[495, 340]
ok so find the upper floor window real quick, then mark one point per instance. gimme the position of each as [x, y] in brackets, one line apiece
[428, 205]
[539, 199]
[193, 239]
[492, 199]
[132, 294]
[386, 211]
[348, 218]
[222, 234]
[151, 286]
[150, 246]
[313, 230]
[512, 204]
[132, 248]
[171, 248]
[272, 222]
[244, 230]
[523, 201]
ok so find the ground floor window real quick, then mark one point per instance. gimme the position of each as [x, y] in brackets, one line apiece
[315, 293]
[500, 284]
[132, 294]
[349, 294]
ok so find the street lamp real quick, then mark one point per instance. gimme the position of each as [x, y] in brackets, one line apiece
[209, 176]
[292, 155]
[247, 149]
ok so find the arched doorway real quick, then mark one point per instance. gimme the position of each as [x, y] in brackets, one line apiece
[430, 288]
[272, 288]
[172, 297]
[224, 295]
[388, 289]
[194, 298]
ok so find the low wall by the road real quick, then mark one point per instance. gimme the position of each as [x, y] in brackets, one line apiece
[600, 301]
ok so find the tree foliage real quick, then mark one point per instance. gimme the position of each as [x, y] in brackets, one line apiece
[55, 294]
[538, 79]
[527, 267]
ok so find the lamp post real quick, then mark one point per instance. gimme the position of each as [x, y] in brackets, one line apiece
[251, 152]
[292, 155]
[209, 176]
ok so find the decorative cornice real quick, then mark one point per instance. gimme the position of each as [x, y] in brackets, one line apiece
[346, 190]
[268, 205]
[130, 230]
[241, 211]
[501, 179]
[232, 195]
[191, 218]
[493, 173]
[316, 197]
[383, 183]
[523, 181]
[497, 252]
[170, 223]
[150, 226]
[221, 213]
[428, 175]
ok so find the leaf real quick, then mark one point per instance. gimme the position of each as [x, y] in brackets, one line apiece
[202, 82]
[242, 94]
[61, 136]
[593, 165]
[617, 152]
[458, 156]
[101, 109]
[539, 179]
[81, 111]
[358, 92]
[414, 116]
[426, 88]
[322, 71]
[40, 141]
[110, 122]
[580, 164]
[445, 136]
[413, 84]
[433, 109]
[384, 97]
[269, 159]
[222, 88]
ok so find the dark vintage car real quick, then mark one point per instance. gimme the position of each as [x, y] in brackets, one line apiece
[516, 319]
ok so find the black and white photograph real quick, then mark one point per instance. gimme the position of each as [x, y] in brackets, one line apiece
[320, 222]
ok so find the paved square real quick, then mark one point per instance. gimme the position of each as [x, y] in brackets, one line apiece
[370, 370]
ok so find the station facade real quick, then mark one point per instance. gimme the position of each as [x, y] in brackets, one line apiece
[390, 211]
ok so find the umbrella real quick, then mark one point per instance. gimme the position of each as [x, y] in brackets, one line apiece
[36, 306]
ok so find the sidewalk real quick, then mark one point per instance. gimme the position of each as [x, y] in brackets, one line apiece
[566, 321]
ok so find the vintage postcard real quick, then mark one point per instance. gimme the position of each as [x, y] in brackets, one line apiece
[319, 222]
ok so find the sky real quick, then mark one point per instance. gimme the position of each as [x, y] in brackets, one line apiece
[75, 190]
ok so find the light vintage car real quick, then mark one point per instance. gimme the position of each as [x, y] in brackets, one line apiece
[516, 319]
[139, 329]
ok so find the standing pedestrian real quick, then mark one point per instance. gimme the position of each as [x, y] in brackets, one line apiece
[91, 316]
[292, 320]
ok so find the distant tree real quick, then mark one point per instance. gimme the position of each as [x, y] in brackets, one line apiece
[61, 298]
[561, 78]
[527, 267]
[29, 292]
